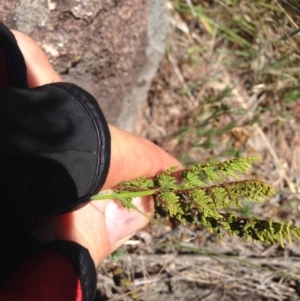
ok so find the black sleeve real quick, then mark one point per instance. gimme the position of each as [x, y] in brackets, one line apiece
[54, 144]
[54, 154]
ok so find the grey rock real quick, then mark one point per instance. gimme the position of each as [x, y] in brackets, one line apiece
[111, 48]
[157, 31]
[30, 14]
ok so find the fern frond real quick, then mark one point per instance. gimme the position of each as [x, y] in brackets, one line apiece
[208, 200]
[191, 179]
[142, 183]
[203, 202]
[220, 171]
[202, 193]
[169, 202]
[228, 194]
[166, 179]
[253, 229]
[266, 231]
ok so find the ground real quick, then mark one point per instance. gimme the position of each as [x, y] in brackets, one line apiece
[228, 86]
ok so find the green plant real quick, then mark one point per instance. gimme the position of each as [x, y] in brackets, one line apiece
[205, 194]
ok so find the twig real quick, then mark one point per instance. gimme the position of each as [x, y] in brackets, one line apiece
[277, 163]
[181, 79]
[286, 14]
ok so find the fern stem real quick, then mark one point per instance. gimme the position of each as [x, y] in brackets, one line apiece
[125, 195]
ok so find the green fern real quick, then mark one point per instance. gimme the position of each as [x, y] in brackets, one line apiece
[204, 193]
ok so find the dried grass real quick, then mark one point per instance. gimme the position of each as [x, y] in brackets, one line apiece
[228, 86]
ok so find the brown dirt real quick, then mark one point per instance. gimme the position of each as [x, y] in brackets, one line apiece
[168, 261]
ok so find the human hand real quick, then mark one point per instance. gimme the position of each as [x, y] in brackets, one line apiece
[100, 226]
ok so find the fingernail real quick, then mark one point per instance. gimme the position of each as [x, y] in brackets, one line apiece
[121, 222]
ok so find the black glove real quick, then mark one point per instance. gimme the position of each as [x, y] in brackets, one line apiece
[54, 143]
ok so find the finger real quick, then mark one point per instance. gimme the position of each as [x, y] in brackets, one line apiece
[39, 69]
[133, 156]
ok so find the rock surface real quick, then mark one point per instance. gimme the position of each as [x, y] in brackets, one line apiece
[109, 47]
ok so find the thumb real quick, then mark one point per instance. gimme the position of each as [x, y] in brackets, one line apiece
[100, 226]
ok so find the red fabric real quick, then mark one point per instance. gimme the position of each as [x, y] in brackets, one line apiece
[47, 276]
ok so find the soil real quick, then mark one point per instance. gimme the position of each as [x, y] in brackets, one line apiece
[168, 261]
